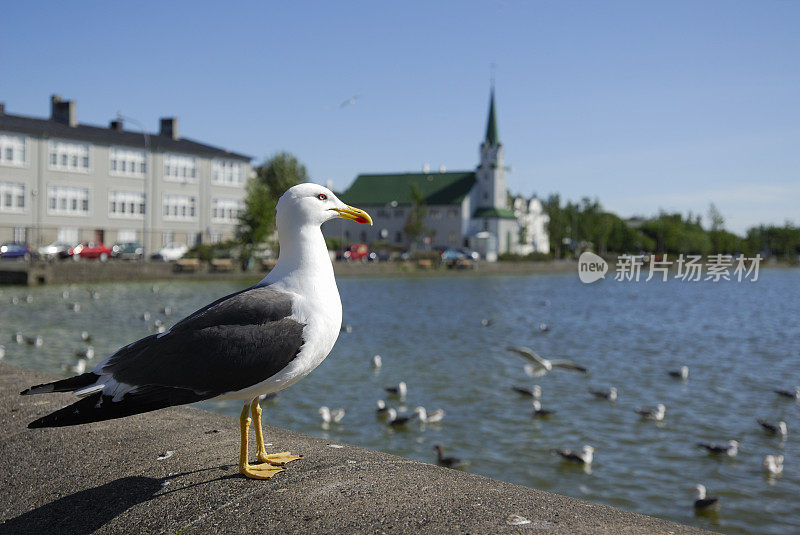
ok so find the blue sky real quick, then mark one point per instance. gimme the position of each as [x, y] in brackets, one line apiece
[644, 105]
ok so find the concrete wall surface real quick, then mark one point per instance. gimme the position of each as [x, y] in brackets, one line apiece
[107, 478]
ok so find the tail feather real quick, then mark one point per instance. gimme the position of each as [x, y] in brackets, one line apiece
[98, 407]
[64, 385]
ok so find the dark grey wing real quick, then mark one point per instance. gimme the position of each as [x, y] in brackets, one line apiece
[236, 342]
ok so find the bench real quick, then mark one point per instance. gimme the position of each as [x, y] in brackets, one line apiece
[221, 265]
[187, 265]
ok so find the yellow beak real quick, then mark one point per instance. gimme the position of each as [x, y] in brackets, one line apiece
[356, 214]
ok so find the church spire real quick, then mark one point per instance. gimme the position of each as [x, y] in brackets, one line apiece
[492, 137]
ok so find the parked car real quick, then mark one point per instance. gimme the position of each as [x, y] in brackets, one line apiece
[356, 252]
[129, 250]
[170, 253]
[456, 259]
[90, 249]
[54, 250]
[16, 250]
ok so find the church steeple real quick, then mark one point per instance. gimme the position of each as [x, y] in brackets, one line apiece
[492, 137]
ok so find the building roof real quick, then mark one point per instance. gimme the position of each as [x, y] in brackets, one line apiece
[499, 213]
[108, 136]
[437, 188]
[492, 136]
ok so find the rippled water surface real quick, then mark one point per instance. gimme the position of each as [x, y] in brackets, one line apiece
[740, 341]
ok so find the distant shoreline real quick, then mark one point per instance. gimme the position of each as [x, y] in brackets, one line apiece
[19, 273]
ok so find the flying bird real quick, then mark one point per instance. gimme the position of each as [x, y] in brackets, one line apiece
[540, 365]
[702, 501]
[250, 343]
[731, 449]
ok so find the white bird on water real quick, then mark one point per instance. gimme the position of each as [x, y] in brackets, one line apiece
[429, 417]
[377, 362]
[702, 501]
[540, 366]
[251, 343]
[731, 449]
[400, 390]
[656, 414]
[584, 456]
[682, 373]
[331, 416]
[773, 464]
[778, 428]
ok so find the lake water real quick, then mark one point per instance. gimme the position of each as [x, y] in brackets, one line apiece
[740, 340]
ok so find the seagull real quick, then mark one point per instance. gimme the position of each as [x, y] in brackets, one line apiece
[250, 343]
[535, 392]
[86, 337]
[399, 390]
[543, 327]
[394, 420]
[682, 373]
[19, 338]
[377, 362]
[75, 307]
[346, 328]
[610, 394]
[585, 456]
[381, 408]
[429, 417]
[541, 365]
[487, 322]
[449, 462]
[539, 412]
[36, 341]
[166, 310]
[773, 428]
[656, 414]
[773, 464]
[78, 367]
[789, 393]
[87, 353]
[331, 416]
[731, 448]
[144, 316]
[702, 501]
[2, 352]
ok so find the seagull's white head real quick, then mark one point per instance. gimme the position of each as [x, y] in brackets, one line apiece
[700, 490]
[312, 204]
[782, 427]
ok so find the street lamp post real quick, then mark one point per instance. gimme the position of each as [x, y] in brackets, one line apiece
[146, 193]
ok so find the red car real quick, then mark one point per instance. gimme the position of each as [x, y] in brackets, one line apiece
[90, 250]
[356, 251]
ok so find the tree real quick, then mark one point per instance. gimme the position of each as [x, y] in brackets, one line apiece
[273, 178]
[415, 224]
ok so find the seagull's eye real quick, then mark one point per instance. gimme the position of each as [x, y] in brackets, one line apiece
[322, 197]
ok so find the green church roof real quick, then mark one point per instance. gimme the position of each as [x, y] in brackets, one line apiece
[500, 213]
[492, 137]
[437, 188]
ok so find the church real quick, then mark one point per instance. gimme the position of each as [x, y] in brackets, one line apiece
[462, 209]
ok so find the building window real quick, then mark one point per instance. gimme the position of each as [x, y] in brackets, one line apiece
[226, 210]
[215, 237]
[227, 172]
[452, 238]
[177, 167]
[398, 237]
[383, 212]
[21, 234]
[126, 235]
[436, 213]
[125, 204]
[167, 238]
[485, 224]
[66, 156]
[12, 150]
[12, 197]
[66, 200]
[127, 162]
[452, 212]
[398, 212]
[180, 207]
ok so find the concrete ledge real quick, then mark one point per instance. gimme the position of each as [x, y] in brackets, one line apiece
[106, 478]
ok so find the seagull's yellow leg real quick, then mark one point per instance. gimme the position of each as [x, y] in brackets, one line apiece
[256, 471]
[277, 459]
